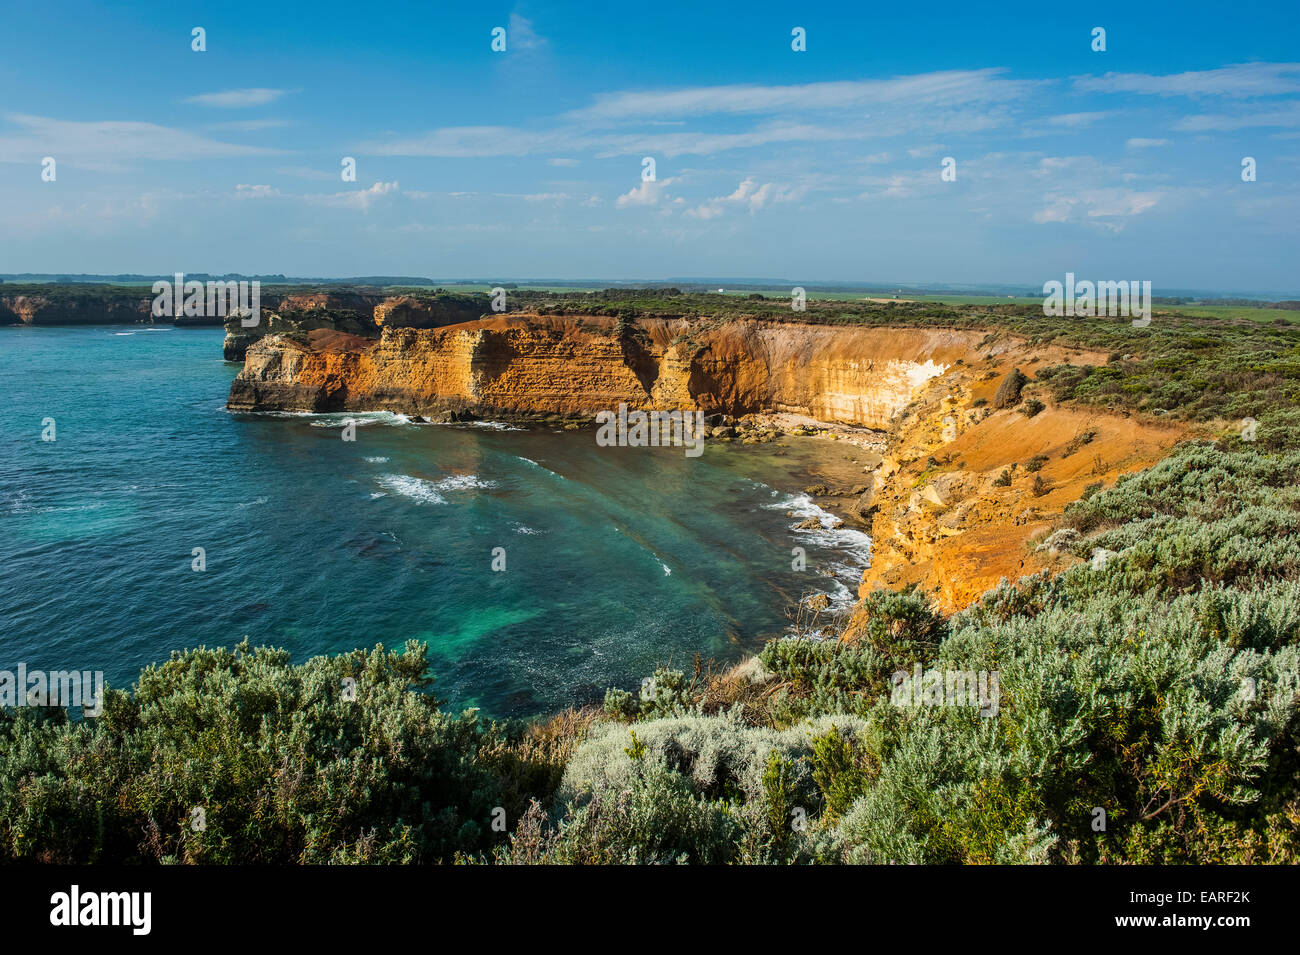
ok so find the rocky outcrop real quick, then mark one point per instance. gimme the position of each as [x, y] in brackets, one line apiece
[359, 314]
[1008, 393]
[360, 304]
[301, 312]
[293, 323]
[407, 312]
[578, 365]
[64, 307]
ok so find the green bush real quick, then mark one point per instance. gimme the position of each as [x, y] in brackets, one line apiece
[283, 767]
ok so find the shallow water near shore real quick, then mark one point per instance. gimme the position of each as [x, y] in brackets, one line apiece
[616, 559]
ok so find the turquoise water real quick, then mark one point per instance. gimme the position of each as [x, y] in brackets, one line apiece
[616, 559]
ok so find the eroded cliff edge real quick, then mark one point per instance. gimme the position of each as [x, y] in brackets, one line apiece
[580, 365]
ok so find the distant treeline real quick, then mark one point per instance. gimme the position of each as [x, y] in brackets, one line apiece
[134, 278]
[777, 287]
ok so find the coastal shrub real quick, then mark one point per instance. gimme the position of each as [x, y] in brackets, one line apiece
[1133, 706]
[888, 631]
[771, 785]
[842, 770]
[1080, 440]
[655, 819]
[280, 763]
[661, 694]
[722, 756]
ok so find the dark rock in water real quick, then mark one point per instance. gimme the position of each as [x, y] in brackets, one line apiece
[250, 610]
[452, 416]
[522, 701]
[368, 545]
[817, 490]
[419, 419]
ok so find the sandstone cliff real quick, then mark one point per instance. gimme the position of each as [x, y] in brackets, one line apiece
[96, 305]
[580, 365]
[361, 314]
[63, 308]
[300, 312]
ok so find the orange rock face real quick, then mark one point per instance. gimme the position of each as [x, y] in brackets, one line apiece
[363, 304]
[945, 521]
[580, 365]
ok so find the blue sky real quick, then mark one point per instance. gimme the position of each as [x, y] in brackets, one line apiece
[812, 166]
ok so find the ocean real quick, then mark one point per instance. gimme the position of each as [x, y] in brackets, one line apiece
[615, 560]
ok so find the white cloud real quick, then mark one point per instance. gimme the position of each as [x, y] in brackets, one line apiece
[255, 192]
[1239, 80]
[309, 172]
[451, 142]
[956, 101]
[749, 195]
[947, 87]
[1105, 208]
[705, 144]
[1078, 119]
[520, 34]
[361, 199]
[237, 99]
[1140, 143]
[107, 142]
[1288, 115]
[251, 125]
[649, 193]
[899, 185]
